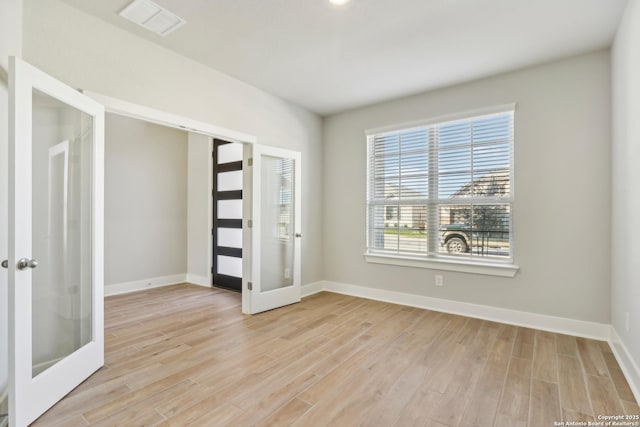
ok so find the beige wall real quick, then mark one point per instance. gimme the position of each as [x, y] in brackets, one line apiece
[625, 253]
[562, 191]
[145, 199]
[199, 201]
[90, 54]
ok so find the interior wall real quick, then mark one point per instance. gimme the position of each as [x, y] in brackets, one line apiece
[145, 200]
[562, 191]
[10, 44]
[625, 252]
[88, 53]
[199, 250]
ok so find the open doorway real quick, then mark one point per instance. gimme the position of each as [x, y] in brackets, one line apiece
[270, 210]
[162, 226]
[198, 188]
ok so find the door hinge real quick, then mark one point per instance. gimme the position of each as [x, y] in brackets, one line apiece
[250, 286]
[212, 231]
[249, 223]
[250, 161]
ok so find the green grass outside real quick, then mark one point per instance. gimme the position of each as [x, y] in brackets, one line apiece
[406, 232]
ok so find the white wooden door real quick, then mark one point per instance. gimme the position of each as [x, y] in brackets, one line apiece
[273, 241]
[56, 157]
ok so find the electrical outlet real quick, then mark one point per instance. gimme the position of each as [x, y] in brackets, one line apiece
[287, 273]
[626, 321]
[439, 280]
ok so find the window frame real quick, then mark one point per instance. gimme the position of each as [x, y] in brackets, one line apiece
[433, 259]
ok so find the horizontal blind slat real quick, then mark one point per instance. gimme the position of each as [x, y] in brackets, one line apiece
[472, 178]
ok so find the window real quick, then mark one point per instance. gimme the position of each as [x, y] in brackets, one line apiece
[443, 190]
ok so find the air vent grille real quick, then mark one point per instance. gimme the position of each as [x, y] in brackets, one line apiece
[152, 17]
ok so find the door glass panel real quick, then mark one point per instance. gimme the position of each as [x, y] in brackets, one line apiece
[277, 239]
[230, 209]
[230, 237]
[230, 266]
[230, 181]
[61, 230]
[228, 153]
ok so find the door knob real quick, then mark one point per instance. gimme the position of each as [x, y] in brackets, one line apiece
[298, 235]
[5, 263]
[25, 263]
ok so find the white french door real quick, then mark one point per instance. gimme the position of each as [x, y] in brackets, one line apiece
[272, 273]
[56, 175]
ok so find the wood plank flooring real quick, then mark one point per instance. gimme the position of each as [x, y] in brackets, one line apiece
[185, 355]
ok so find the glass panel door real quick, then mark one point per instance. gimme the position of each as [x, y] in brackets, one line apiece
[276, 230]
[56, 337]
[227, 215]
[278, 223]
[61, 230]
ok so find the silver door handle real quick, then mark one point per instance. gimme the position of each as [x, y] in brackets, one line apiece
[5, 263]
[24, 263]
[298, 235]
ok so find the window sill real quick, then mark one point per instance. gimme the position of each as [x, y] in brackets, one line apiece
[490, 269]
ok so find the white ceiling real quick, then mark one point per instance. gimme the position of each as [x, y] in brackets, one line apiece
[331, 58]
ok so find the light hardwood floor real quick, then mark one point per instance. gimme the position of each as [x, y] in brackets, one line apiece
[185, 355]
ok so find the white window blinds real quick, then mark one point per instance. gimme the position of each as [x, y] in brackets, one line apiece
[442, 190]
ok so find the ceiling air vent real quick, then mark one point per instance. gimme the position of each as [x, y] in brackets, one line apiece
[152, 17]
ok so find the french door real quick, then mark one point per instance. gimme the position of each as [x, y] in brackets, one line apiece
[55, 262]
[272, 272]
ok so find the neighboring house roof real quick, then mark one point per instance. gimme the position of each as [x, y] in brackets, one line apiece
[394, 191]
[491, 184]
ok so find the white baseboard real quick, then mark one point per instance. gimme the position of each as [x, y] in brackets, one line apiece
[139, 285]
[580, 328]
[312, 288]
[196, 279]
[628, 365]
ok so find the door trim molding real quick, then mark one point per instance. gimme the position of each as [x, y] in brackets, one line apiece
[148, 114]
